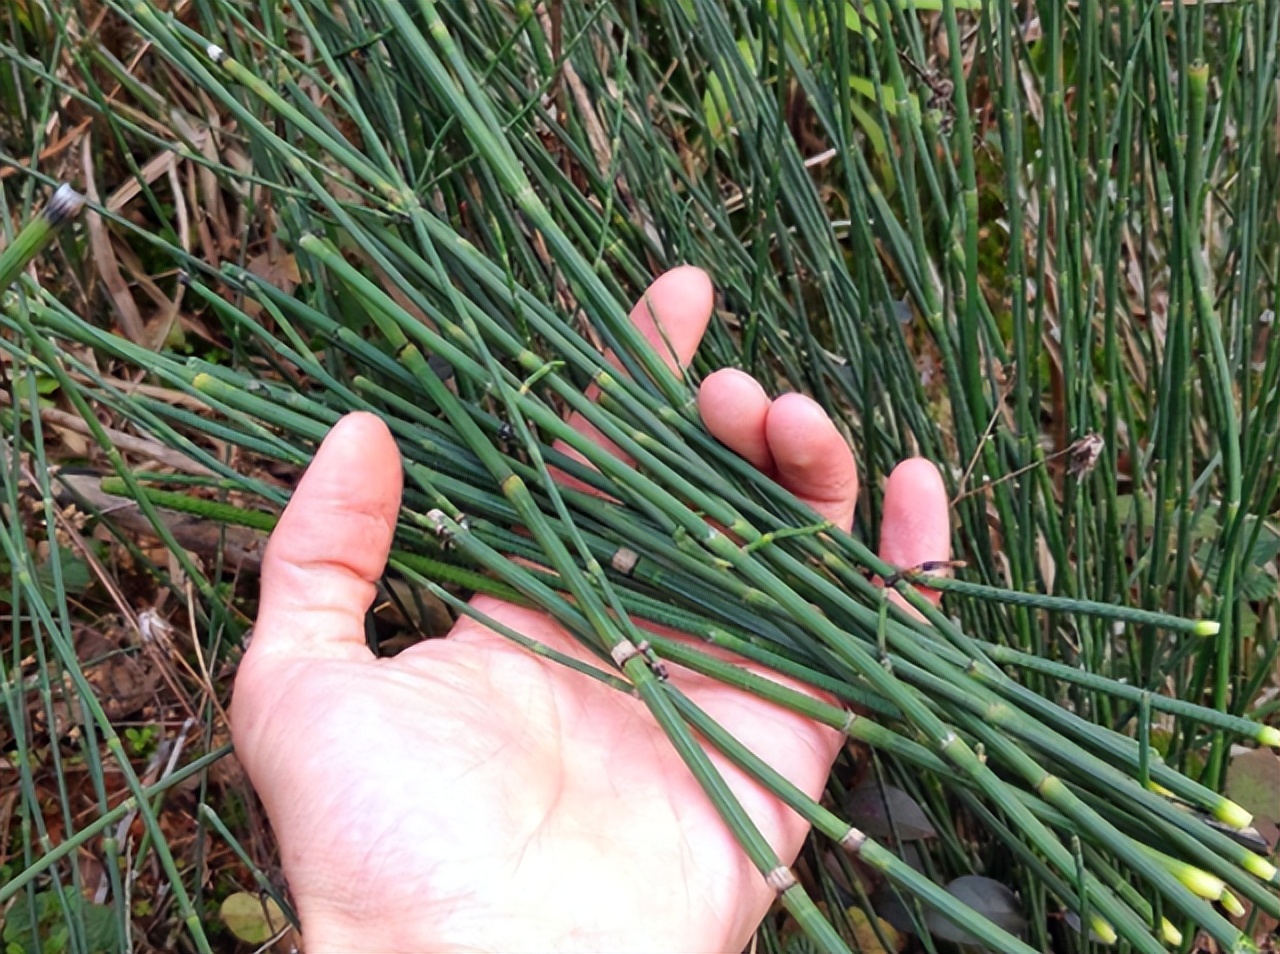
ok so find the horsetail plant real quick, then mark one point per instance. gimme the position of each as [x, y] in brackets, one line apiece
[471, 197]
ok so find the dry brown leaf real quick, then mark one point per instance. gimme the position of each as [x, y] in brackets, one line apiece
[53, 150]
[167, 309]
[277, 267]
[72, 429]
[104, 258]
[123, 682]
[1045, 562]
[865, 933]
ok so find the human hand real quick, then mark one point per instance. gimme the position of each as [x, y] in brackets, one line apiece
[468, 795]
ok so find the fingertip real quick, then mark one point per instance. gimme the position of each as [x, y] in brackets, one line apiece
[364, 431]
[357, 467]
[333, 539]
[812, 458]
[921, 472]
[916, 524]
[672, 316]
[734, 406]
[673, 313]
[687, 284]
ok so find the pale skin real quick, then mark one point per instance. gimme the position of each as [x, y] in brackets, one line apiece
[466, 795]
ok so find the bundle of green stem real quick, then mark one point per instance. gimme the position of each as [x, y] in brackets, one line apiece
[461, 280]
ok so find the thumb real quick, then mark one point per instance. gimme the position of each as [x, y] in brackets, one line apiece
[331, 545]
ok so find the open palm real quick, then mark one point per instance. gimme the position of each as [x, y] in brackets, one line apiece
[468, 795]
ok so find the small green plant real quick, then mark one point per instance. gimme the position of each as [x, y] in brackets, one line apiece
[142, 741]
[43, 924]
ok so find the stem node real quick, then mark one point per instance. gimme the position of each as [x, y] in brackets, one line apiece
[781, 879]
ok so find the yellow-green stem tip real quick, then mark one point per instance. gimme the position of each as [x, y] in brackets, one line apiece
[1231, 904]
[1200, 882]
[1229, 813]
[1104, 932]
[1259, 867]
